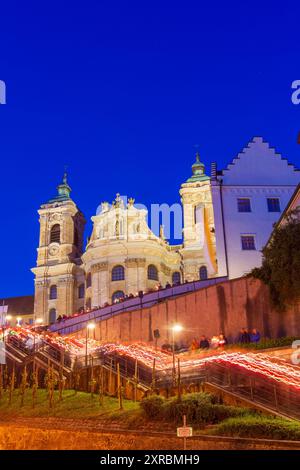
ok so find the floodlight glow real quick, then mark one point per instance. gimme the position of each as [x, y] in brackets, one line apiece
[177, 328]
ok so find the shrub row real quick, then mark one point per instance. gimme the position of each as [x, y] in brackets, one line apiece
[199, 408]
[259, 427]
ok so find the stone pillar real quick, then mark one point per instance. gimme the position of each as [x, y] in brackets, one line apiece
[41, 299]
[99, 284]
[141, 275]
[65, 304]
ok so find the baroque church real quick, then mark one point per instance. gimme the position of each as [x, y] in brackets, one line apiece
[227, 218]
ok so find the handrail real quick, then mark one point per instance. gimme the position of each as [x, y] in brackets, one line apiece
[70, 325]
[277, 396]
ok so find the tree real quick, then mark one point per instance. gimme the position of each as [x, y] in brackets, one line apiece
[281, 263]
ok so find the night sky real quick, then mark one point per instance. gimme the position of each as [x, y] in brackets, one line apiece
[121, 91]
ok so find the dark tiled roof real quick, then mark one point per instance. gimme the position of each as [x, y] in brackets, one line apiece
[19, 305]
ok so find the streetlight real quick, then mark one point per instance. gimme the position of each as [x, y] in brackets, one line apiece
[176, 328]
[37, 321]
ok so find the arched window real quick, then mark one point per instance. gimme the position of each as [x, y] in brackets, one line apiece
[81, 291]
[55, 234]
[176, 277]
[118, 273]
[52, 315]
[203, 273]
[119, 294]
[88, 304]
[88, 280]
[152, 272]
[53, 293]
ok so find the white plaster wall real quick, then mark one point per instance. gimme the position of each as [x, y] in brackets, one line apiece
[258, 222]
[257, 173]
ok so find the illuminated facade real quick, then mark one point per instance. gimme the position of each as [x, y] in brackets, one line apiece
[227, 219]
[123, 256]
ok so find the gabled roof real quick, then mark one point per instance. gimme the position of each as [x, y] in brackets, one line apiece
[259, 164]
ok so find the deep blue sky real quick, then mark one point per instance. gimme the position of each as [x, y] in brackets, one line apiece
[122, 90]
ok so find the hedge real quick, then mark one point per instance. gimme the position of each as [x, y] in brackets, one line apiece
[259, 427]
[199, 408]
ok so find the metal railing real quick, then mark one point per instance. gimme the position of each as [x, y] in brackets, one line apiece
[270, 393]
[71, 325]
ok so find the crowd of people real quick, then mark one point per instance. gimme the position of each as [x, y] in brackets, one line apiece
[215, 342]
[118, 300]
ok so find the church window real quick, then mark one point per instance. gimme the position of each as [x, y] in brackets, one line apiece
[273, 204]
[152, 272]
[203, 273]
[248, 242]
[52, 315]
[119, 294]
[81, 291]
[88, 280]
[118, 273]
[55, 234]
[53, 292]
[176, 277]
[244, 204]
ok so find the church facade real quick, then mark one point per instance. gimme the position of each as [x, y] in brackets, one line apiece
[224, 227]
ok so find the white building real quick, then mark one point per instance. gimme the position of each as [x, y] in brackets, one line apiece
[249, 196]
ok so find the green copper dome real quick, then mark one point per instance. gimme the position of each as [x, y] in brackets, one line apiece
[198, 169]
[63, 191]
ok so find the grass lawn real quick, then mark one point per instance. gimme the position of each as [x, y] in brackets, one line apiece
[158, 414]
[79, 405]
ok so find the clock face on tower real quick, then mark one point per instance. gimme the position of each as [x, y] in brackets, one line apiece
[53, 249]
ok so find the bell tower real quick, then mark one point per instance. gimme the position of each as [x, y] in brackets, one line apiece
[198, 252]
[58, 273]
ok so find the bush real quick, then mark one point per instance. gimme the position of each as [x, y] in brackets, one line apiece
[196, 407]
[199, 408]
[260, 427]
[222, 412]
[152, 406]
